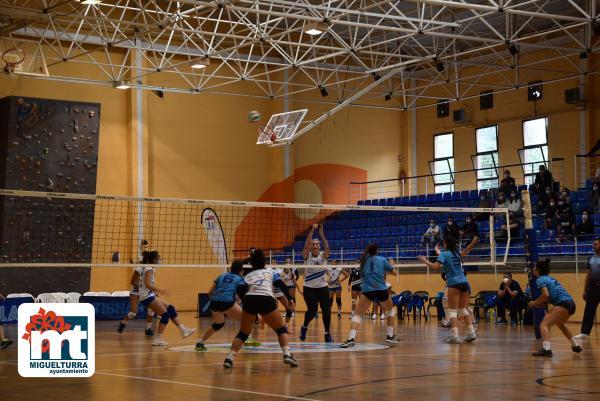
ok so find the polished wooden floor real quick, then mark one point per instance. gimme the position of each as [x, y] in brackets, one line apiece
[497, 367]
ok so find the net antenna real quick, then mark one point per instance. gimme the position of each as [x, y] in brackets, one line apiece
[281, 128]
[23, 57]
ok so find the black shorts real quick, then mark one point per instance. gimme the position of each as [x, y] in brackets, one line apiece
[220, 306]
[462, 287]
[568, 305]
[377, 296]
[356, 288]
[259, 304]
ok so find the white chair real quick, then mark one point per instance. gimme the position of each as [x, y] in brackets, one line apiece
[90, 294]
[73, 297]
[25, 294]
[61, 297]
[120, 294]
[46, 298]
[14, 296]
[103, 294]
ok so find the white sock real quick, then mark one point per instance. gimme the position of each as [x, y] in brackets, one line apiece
[573, 342]
[352, 334]
[471, 329]
[182, 328]
[454, 332]
[546, 345]
[148, 325]
[390, 331]
[286, 350]
[231, 355]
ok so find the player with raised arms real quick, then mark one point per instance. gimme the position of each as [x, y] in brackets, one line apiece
[149, 298]
[315, 289]
[564, 307]
[335, 278]
[258, 300]
[450, 261]
[222, 301]
[374, 289]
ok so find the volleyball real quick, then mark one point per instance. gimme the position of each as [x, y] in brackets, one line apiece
[254, 116]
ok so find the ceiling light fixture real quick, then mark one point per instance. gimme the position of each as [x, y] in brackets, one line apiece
[314, 28]
[440, 66]
[388, 96]
[90, 2]
[120, 85]
[200, 64]
[512, 48]
[323, 91]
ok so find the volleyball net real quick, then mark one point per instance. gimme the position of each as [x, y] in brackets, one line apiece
[41, 229]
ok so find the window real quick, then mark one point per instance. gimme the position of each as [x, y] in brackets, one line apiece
[487, 157]
[443, 163]
[535, 143]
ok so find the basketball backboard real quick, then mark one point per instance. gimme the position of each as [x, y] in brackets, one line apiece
[281, 128]
[25, 55]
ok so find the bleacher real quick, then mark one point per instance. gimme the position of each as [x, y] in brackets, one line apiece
[399, 233]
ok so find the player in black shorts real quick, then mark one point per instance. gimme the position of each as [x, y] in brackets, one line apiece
[354, 286]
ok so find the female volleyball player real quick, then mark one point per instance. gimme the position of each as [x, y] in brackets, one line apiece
[354, 284]
[458, 286]
[149, 298]
[564, 307]
[222, 300]
[134, 298]
[287, 304]
[335, 287]
[258, 299]
[4, 342]
[374, 289]
[315, 290]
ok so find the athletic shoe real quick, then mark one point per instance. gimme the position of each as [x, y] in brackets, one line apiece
[328, 338]
[382, 316]
[501, 322]
[303, 331]
[543, 352]
[347, 344]
[470, 338]
[186, 332]
[513, 323]
[5, 343]
[577, 349]
[159, 342]
[582, 336]
[374, 316]
[452, 340]
[121, 327]
[445, 324]
[290, 360]
[250, 342]
[228, 363]
[392, 340]
[200, 347]
[339, 315]
[149, 332]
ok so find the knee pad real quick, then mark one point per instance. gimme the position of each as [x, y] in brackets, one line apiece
[217, 326]
[452, 313]
[357, 319]
[288, 313]
[338, 301]
[164, 318]
[131, 315]
[391, 312]
[242, 336]
[171, 311]
[463, 312]
[281, 330]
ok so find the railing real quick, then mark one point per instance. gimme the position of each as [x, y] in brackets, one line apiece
[424, 184]
[585, 169]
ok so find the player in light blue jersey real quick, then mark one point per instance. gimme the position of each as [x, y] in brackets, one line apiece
[564, 307]
[223, 301]
[374, 289]
[450, 261]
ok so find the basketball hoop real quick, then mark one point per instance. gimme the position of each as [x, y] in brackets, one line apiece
[267, 134]
[12, 58]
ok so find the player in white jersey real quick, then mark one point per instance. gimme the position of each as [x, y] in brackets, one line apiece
[149, 298]
[134, 299]
[315, 290]
[288, 305]
[258, 299]
[335, 277]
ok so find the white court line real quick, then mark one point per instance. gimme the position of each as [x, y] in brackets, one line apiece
[288, 397]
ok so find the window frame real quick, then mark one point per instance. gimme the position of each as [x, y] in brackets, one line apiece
[531, 175]
[436, 159]
[486, 153]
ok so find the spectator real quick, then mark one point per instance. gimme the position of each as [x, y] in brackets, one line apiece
[540, 208]
[565, 193]
[586, 227]
[513, 225]
[594, 198]
[591, 291]
[543, 180]
[548, 195]
[551, 219]
[501, 202]
[514, 203]
[469, 230]
[484, 202]
[507, 185]
[596, 178]
[432, 235]
[450, 229]
[566, 220]
[510, 296]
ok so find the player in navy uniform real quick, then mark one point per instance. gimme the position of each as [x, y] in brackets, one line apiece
[336, 276]
[258, 299]
[149, 298]
[450, 260]
[222, 301]
[354, 284]
[564, 307]
[374, 289]
[315, 291]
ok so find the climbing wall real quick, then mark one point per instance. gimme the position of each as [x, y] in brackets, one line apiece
[49, 146]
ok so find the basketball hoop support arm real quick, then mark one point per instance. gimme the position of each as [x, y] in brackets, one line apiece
[354, 97]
